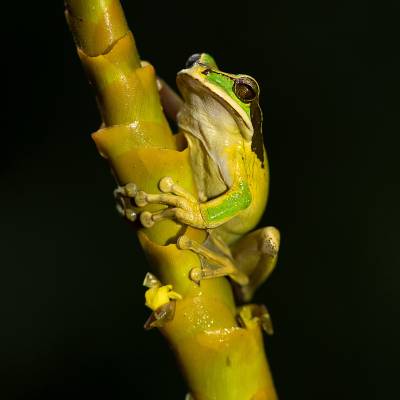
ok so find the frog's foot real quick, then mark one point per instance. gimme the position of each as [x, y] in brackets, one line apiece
[182, 206]
[161, 299]
[224, 265]
[122, 195]
[255, 314]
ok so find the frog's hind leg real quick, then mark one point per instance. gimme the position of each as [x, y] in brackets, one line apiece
[256, 255]
[224, 265]
[219, 244]
[251, 314]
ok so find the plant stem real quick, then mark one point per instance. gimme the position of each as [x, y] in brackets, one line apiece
[219, 359]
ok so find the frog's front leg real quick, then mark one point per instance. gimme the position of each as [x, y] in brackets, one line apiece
[122, 195]
[186, 209]
[183, 207]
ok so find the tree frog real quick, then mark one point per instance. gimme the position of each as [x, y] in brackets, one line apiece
[221, 120]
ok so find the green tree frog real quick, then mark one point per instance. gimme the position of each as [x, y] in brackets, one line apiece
[221, 120]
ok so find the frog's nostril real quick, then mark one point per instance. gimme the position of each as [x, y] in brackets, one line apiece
[192, 60]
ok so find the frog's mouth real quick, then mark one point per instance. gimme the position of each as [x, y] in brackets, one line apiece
[211, 106]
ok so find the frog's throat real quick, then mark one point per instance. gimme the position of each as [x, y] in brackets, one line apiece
[213, 125]
[192, 85]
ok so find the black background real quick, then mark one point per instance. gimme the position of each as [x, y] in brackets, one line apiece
[71, 301]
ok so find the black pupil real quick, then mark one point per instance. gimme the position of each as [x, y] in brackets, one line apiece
[245, 92]
[192, 60]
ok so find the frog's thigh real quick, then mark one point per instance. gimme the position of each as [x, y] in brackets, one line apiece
[255, 255]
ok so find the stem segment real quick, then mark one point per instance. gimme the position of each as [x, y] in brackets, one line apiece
[219, 359]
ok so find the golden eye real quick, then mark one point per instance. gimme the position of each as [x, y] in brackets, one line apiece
[246, 89]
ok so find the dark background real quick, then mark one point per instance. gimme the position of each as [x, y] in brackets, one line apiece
[71, 301]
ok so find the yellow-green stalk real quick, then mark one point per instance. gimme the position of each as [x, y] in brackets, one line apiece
[219, 359]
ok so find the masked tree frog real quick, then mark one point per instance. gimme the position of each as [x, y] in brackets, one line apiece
[221, 120]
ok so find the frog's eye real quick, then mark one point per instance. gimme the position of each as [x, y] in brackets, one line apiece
[193, 59]
[246, 89]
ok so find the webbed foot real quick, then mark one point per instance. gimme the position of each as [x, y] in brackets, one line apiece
[255, 314]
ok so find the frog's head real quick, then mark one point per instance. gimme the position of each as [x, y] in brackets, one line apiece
[219, 100]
